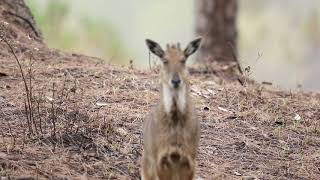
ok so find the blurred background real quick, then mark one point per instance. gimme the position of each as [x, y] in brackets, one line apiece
[286, 33]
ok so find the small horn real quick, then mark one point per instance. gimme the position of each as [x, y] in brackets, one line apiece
[168, 46]
[178, 46]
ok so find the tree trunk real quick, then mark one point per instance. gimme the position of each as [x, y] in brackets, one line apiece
[216, 23]
[17, 12]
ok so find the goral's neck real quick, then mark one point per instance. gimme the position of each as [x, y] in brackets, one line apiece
[174, 99]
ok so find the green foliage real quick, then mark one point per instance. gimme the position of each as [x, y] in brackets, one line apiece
[103, 35]
[80, 34]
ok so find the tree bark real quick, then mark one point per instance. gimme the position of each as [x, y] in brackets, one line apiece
[17, 12]
[216, 23]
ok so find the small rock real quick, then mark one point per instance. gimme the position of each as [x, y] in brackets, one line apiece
[101, 103]
[297, 117]
[199, 178]
[223, 109]
[122, 131]
[249, 178]
[49, 98]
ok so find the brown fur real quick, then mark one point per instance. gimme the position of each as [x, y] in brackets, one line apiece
[171, 138]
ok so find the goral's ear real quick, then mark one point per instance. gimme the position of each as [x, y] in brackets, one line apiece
[192, 47]
[155, 48]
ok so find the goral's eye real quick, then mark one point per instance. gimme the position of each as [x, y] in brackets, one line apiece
[183, 61]
[165, 62]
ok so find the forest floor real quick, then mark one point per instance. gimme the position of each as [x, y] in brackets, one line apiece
[86, 115]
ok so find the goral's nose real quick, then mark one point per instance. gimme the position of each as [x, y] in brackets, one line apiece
[176, 81]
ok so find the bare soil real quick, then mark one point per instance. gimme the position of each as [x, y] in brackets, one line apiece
[87, 117]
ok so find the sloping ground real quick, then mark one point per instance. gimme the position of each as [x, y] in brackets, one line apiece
[88, 116]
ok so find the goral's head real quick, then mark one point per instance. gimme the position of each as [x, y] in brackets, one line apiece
[174, 71]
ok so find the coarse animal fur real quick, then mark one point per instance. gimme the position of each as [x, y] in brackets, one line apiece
[171, 131]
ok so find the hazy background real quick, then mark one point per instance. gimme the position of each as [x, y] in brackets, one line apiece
[286, 33]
